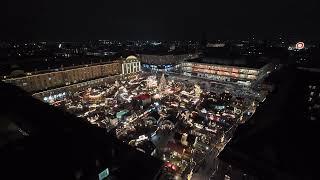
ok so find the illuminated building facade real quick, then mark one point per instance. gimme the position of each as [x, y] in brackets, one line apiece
[49, 80]
[241, 75]
[166, 62]
[131, 65]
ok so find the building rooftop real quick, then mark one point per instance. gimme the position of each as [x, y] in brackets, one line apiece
[58, 145]
[240, 62]
[49, 64]
[278, 141]
[143, 97]
[164, 52]
[131, 57]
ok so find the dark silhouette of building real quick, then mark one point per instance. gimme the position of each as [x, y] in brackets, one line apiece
[278, 141]
[39, 141]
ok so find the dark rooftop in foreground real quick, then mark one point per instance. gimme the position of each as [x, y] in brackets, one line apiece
[54, 144]
[278, 142]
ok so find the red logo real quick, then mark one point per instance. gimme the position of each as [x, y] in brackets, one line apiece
[300, 45]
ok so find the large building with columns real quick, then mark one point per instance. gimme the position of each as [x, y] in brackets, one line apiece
[131, 65]
[54, 79]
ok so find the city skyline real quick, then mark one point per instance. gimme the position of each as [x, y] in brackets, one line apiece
[160, 90]
[178, 103]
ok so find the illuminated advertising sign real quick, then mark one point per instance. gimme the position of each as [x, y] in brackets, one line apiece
[104, 174]
[300, 45]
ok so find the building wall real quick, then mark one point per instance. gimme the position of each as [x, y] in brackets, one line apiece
[165, 59]
[70, 89]
[221, 72]
[130, 66]
[40, 82]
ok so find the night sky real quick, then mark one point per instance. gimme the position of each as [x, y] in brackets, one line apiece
[165, 19]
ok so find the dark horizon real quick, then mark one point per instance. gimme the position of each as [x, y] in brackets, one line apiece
[164, 20]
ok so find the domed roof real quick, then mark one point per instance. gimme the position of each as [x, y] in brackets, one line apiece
[131, 58]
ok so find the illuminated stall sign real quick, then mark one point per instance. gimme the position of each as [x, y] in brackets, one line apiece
[104, 174]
